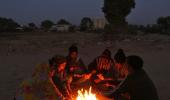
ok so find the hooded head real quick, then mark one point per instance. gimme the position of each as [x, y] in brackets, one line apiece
[120, 57]
[107, 53]
[73, 48]
[73, 52]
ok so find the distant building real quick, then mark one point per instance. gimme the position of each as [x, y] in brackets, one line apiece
[99, 23]
[60, 28]
[63, 28]
[20, 28]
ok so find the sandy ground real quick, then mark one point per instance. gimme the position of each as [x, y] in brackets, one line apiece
[20, 52]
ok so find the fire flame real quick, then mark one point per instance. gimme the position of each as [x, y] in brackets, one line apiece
[86, 95]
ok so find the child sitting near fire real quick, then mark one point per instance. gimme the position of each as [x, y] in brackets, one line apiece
[60, 77]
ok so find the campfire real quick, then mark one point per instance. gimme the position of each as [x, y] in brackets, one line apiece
[86, 95]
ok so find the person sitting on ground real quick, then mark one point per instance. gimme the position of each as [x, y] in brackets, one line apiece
[75, 66]
[137, 85]
[60, 77]
[102, 67]
[120, 64]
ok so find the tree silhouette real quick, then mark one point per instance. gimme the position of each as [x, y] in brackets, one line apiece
[46, 25]
[31, 25]
[116, 12]
[63, 21]
[8, 25]
[86, 24]
[164, 24]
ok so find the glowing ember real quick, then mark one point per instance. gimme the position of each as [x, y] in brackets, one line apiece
[86, 95]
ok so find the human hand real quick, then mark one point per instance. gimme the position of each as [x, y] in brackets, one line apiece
[87, 76]
[97, 80]
[109, 85]
[51, 73]
[100, 76]
[71, 68]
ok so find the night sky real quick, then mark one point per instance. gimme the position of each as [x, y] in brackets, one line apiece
[25, 11]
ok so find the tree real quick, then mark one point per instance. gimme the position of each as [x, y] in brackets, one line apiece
[86, 24]
[63, 21]
[72, 28]
[164, 24]
[46, 25]
[8, 25]
[32, 25]
[116, 12]
[29, 27]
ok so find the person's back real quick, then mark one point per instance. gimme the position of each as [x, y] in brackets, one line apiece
[137, 85]
[141, 86]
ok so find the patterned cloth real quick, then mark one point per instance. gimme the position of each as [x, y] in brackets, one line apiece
[103, 65]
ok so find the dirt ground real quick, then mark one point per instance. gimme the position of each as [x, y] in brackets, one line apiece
[21, 52]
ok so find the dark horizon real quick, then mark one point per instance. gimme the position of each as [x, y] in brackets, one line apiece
[24, 11]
